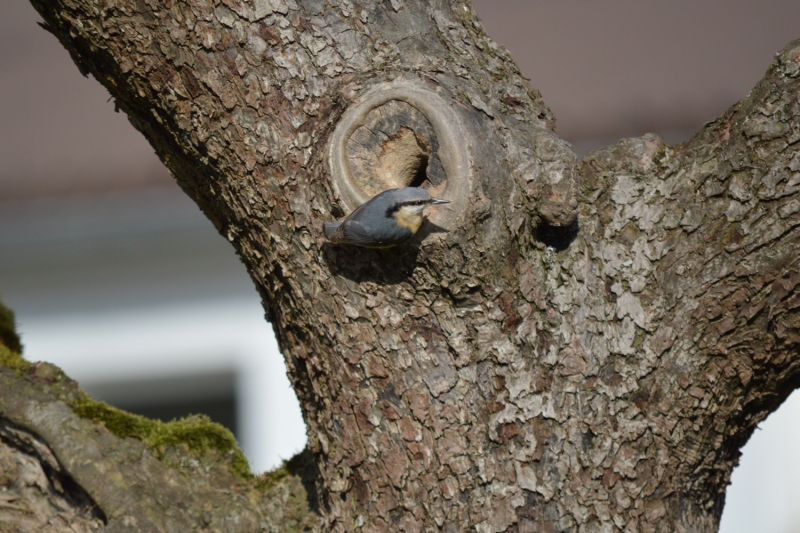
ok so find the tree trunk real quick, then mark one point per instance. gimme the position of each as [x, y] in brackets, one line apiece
[573, 346]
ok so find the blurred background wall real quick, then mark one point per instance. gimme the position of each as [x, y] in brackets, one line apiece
[117, 277]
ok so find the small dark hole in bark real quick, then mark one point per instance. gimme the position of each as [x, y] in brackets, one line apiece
[422, 172]
[558, 237]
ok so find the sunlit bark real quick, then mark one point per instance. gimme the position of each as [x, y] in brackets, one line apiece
[513, 368]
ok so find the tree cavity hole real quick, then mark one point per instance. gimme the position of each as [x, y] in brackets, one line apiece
[395, 147]
[403, 133]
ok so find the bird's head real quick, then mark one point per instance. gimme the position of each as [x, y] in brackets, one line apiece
[411, 201]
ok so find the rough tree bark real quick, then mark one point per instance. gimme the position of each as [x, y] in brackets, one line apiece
[514, 368]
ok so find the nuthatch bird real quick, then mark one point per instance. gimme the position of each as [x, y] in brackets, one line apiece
[388, 219]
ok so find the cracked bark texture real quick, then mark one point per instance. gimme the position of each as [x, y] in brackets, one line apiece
[522, 371]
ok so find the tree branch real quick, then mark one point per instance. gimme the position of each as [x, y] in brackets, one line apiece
[70, 462]
[699, 261]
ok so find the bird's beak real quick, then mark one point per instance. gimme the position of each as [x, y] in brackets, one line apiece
[435, 201]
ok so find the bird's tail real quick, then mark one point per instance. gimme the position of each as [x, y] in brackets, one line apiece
[330, 227]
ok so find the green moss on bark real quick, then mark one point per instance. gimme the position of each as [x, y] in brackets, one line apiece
[10, 345]
[197, 432]
[13, 360]
[8, 330]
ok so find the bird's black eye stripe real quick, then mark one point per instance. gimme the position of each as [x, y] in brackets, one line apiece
[392, 209]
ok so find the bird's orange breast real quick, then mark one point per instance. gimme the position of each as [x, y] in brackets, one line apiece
[408, 220]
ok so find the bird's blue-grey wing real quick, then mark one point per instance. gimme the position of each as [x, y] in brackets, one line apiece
[363, 209]
[330, 228]
[364, 225]
[354, 232]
